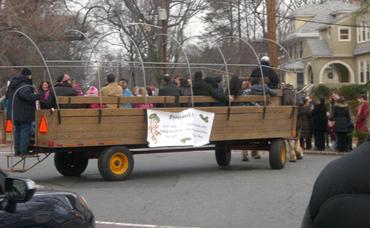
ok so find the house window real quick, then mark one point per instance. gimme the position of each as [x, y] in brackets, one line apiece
[344, 34]
[368, 71]
[363, 32]
[362, 71]
[298, 50]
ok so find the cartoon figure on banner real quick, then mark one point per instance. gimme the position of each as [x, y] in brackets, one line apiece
[153, 127]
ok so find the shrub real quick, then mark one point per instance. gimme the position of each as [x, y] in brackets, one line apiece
[351, 92]
[321, 91]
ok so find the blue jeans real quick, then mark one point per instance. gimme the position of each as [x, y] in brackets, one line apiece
[22, 134]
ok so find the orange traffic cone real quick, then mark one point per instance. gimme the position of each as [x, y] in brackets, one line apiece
[9, 126]
[43, 126]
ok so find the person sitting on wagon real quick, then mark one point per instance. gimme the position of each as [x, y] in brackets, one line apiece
[201, 88]
[63, 87]
[141, 92]
[169, 89]
[45, 90]
[267, 72]
[112, 89]
[94, 92]
[126, 92]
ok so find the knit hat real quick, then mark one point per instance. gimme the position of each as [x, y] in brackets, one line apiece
[265, 59]
[26, 72]
[92, 91]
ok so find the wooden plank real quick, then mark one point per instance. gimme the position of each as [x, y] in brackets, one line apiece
[207, 99]
[140, 112]
[154, 99]
[2, 127]
[115, 100]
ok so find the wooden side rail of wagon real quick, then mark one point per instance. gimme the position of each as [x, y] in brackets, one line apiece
[164, 100]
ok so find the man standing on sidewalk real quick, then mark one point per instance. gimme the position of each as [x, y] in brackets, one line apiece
[22, 110]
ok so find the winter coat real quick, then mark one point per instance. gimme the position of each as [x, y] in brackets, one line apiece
[235, 87]
[24, 104]
[257, 89]
[61, 89]
[201, 88]
[267, 72]
[341, 118]
[44, 99]
[304, 116]
[361, 118]
[340, 195]
[112, 90]
[170, 90]
[319, 118]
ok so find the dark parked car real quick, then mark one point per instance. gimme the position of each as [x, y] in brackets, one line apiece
[23, 205]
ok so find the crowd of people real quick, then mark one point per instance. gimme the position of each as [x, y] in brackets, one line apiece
[331, 125]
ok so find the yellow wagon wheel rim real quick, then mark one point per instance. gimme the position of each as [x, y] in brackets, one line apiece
[283, 153]
[119, 163]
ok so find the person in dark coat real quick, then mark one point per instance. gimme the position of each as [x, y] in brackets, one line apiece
[201, 88]
[21, 110]
[62, 88]
[320, 124]
[212, 81]
[341, 193]
[170, 89]
[305, 123]
[267, 72]
[342, 120]
[235, 87]
[185, 87]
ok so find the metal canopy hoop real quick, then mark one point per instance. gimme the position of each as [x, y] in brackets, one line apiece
[38, 51]
[258, 60]
[186, 59]
[226, 67]
[138, 52]
[95, 55]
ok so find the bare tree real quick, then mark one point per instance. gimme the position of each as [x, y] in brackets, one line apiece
[117, 15]
[43, 21]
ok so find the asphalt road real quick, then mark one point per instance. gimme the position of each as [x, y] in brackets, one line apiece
[189, 190]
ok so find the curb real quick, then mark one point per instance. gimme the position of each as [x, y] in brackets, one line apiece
[315, 152]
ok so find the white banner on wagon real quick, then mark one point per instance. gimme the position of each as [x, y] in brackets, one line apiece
[190, 127]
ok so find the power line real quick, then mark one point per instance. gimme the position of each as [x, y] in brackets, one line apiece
[319, 22]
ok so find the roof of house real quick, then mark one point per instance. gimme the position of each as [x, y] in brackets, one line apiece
[319, 48]
[298, 66]
[362, 49]
[325, 12]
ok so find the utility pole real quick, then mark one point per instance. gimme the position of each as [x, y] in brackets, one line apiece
[163, 17]
[271, 31]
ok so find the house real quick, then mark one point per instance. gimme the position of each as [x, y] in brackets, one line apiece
[334, 51]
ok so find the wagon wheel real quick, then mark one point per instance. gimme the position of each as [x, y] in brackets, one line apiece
[278, 154]
[115, 163]
[223, 155]
[70, 164]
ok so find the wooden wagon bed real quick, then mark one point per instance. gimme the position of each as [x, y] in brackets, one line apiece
[76, 135]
